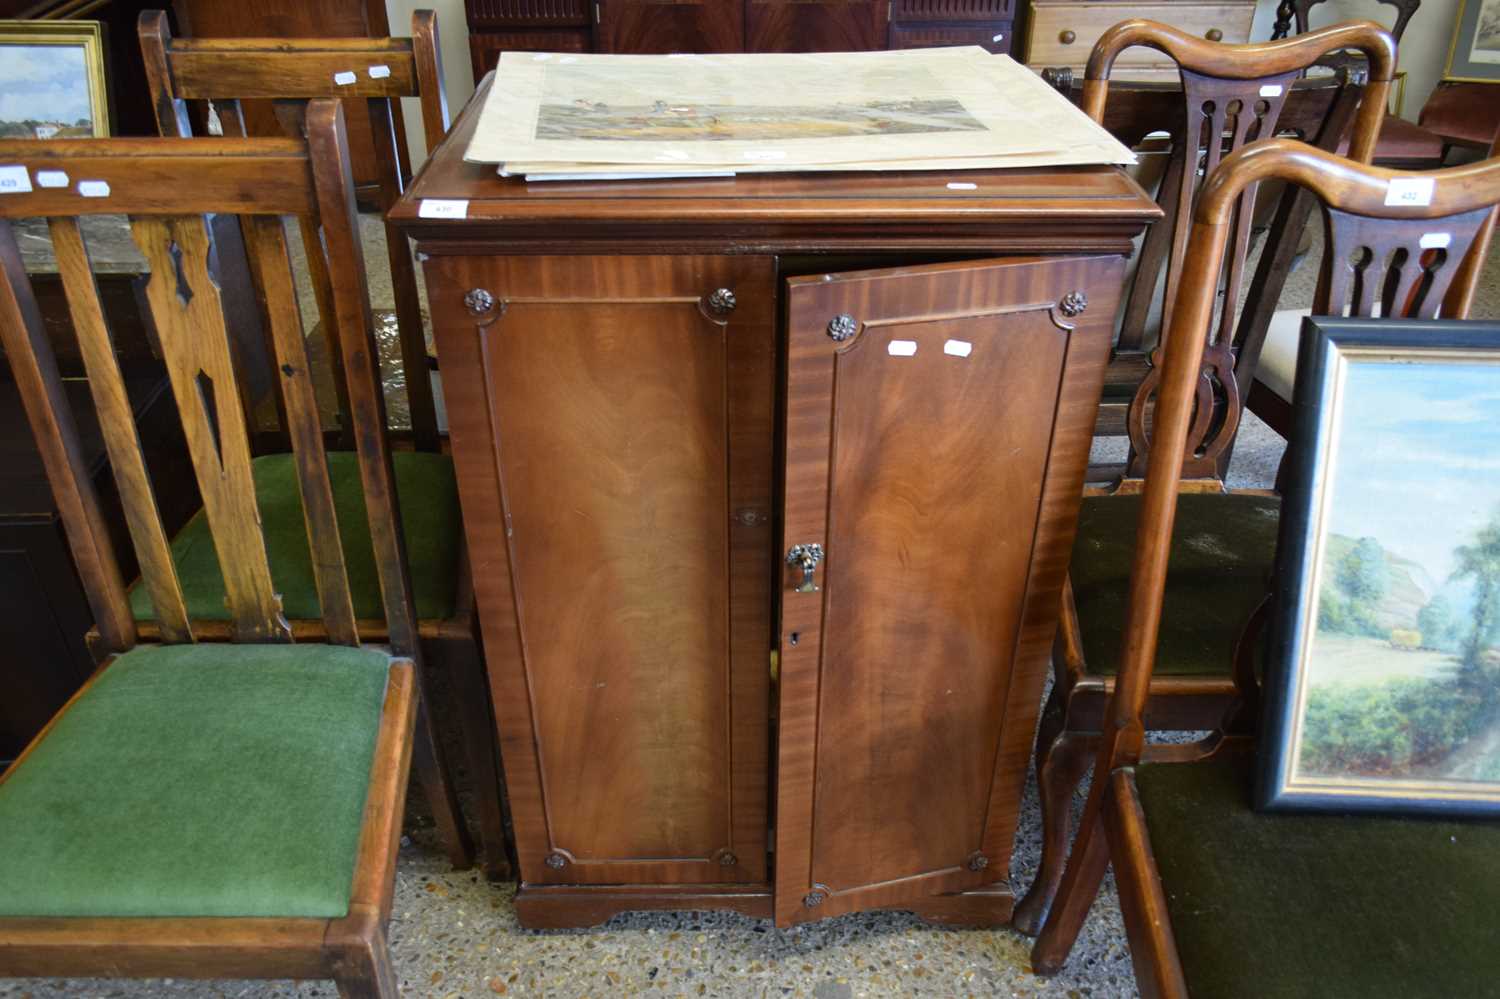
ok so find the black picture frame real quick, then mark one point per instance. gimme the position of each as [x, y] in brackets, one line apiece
[1333, 735]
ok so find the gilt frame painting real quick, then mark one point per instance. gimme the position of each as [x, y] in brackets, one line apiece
[1474, 52]
[1382, 679]
[52, 80]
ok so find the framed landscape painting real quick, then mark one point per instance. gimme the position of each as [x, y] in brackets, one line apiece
[1383, 676]
[52, 80]
[1474, 53]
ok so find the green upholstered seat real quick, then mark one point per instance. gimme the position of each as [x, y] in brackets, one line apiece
[1319, 905]
[198, 780]
[429, 513]
[1223, 547]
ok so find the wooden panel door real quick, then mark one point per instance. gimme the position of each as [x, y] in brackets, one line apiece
[614, 453]
[815, 25]
[654, 26]
[938, 425]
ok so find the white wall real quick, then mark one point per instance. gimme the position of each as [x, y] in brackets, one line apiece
[458, 75]
[1423, 50]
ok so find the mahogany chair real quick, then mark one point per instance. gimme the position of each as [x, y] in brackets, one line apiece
[291, 72]
[1234, 95]
[1217, 900]
[1289, 12]
[209, 809]
[1270, 396]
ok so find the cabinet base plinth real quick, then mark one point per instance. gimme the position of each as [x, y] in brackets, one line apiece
[556, 907]
[980, 908]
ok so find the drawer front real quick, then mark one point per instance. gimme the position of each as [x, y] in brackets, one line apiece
[527, 13]
[953, 10]
[485, 46]
[1064, 34]
[613, 441]
[996, 37]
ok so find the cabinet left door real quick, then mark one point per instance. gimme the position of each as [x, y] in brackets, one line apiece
[612, 428]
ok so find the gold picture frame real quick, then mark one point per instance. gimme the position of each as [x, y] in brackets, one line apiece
[37, 64]
[1474, 50]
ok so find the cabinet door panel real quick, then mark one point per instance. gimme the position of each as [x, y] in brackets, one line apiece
[614, 464]
[937, 456]
[643, 27]
[815, 25]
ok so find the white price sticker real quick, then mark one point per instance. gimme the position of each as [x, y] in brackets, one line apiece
[901, 348]
[1271, 90]
[346, 78]
[962, 185]
[958, 348]
[379, 72]
[13, 180]
[51, 178]
[1435, 240]
[1413, 191]
[94, 188]
[443, 208]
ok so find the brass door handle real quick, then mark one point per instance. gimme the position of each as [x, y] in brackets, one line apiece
[805, 558]
[1067, 37]
[1214, 35]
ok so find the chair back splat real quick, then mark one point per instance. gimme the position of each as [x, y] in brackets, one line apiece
[166, 188]
[1232, 95]
[1381, 258]
[289, 73]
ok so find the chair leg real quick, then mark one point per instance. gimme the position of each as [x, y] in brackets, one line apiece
[1060, 769]
[430, 763]
[465, 666]
[1080, 886]
[365, 971]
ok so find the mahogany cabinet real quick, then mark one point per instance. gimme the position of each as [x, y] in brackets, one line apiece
[769, 486]
[659, 26]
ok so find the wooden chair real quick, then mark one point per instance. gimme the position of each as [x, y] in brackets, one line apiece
[1403, 144]
[1222, 76]
[380, 71]
[1219, 579]
[1192, 819]
[1270, 396]
[208, 809]
[1289, 12]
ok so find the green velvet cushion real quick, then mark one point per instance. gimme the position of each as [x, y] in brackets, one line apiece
[1222, 551]
[1319, 905]
[429, 513]
[198, 780]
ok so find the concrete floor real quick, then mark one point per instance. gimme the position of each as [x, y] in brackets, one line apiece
[453, 935]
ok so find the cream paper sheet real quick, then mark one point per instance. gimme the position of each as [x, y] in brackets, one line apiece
[957, 108]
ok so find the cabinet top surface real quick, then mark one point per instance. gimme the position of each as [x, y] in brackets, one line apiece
[769, 207]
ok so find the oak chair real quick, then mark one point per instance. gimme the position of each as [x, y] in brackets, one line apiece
[380, 71]
[1204, 929]
[1234, 95]
[210, 809]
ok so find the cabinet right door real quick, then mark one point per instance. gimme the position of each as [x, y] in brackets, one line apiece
[937, 436]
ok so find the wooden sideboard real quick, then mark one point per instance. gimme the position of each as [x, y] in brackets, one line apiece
[841, 418]
[656, 26]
